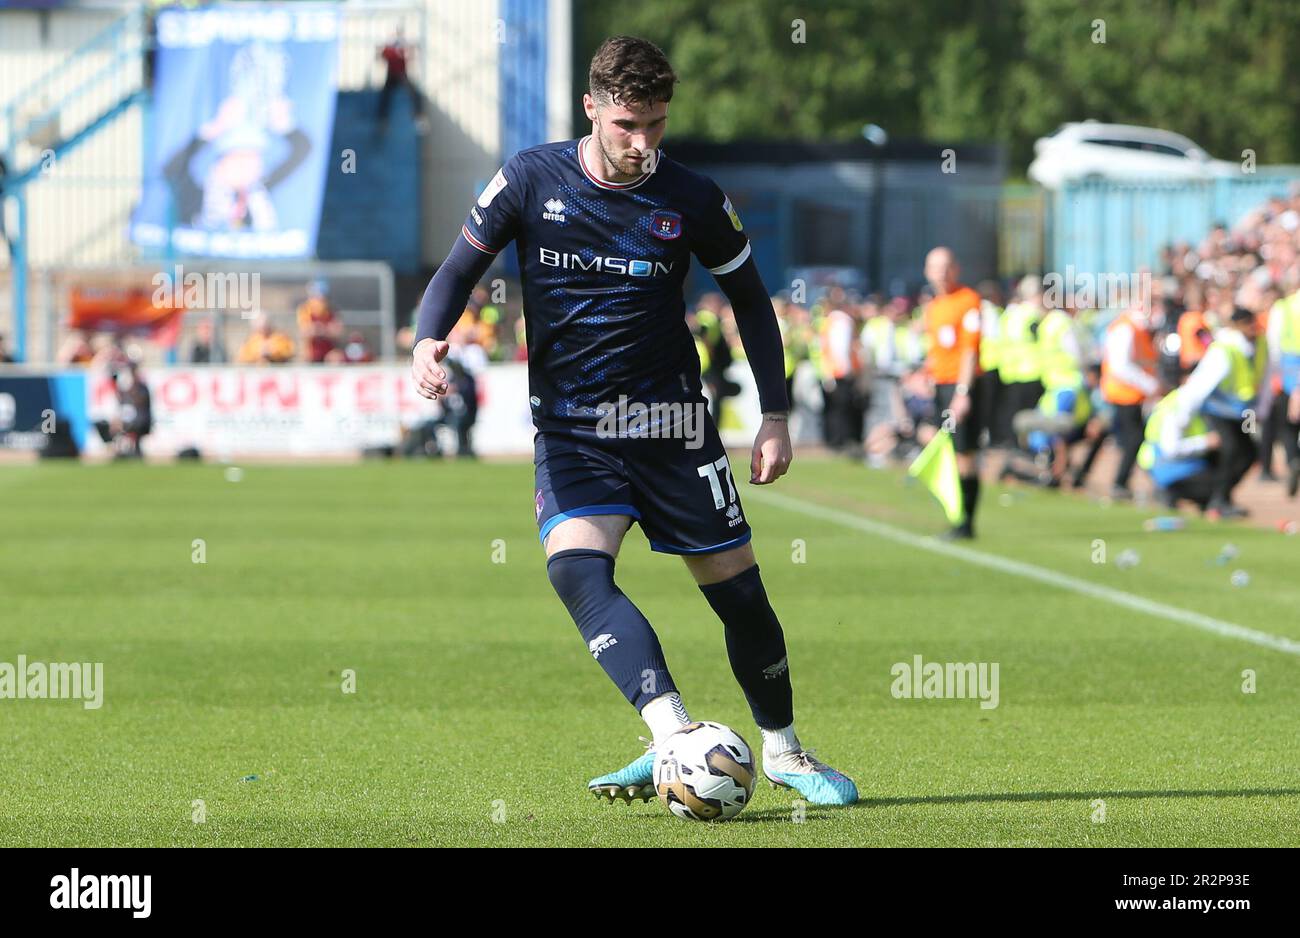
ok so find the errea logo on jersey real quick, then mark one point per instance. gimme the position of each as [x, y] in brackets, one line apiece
[554, 210]
[598, 264]
[600, 643]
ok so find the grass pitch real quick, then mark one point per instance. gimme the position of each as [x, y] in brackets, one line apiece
[478, 716]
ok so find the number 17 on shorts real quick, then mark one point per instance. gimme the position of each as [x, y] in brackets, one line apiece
[714, 472]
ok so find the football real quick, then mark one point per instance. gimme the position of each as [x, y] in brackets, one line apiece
[704, 772]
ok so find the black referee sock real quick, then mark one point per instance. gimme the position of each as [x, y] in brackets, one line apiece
[755, 645]
[618, 636]
[970, 496]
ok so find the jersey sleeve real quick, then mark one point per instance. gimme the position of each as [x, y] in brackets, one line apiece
[493, 220]
[717, 236]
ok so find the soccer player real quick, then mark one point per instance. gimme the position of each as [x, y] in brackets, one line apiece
[952, 323]
[604, 228]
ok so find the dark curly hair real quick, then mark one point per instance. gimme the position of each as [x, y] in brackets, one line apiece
[630, 72]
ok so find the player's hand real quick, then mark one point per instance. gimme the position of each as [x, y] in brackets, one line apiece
[772, 452]
[960, 407]
[1293, 406]
[430, 380]
[1213, 440]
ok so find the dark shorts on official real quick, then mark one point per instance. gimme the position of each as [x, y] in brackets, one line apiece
[685, 499]
[965, 438]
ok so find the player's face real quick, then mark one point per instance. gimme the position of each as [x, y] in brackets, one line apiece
[627, 136]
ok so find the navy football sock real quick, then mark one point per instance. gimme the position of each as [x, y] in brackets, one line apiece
[755, 645]
[617, 634]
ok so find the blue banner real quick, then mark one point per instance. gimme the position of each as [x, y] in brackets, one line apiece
[241, 125]
[36, 410]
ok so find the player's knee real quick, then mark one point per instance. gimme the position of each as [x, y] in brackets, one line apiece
[581, 577]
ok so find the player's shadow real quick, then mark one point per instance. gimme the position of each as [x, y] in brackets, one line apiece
[1074, 796]
[811, 813]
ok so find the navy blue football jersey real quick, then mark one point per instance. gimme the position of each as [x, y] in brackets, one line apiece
[602, 267]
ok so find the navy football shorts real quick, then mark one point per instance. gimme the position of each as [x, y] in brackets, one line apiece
[686, 500]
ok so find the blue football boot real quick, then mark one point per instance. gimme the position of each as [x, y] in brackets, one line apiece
[811, 777]
[634, 780]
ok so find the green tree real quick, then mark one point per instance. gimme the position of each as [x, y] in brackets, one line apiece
[1223, 72]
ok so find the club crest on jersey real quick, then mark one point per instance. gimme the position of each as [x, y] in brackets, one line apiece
[666, 224]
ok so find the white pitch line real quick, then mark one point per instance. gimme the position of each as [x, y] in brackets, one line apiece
[1030, 572]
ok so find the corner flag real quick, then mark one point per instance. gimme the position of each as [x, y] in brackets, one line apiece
[936, 468]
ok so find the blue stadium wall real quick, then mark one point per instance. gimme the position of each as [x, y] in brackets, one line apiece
[367, 215]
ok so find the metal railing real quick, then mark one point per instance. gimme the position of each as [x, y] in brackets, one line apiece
[60, 107]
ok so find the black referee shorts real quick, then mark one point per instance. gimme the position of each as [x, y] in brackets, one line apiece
[966, 435]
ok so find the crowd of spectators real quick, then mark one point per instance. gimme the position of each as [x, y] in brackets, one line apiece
[855, 364]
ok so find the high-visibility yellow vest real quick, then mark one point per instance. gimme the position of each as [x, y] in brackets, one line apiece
[1050, 403]
[1018, 353]
[1058, 366]
[876, 333]
[795, 342]
[710, 323]
[815, 346]
[787, 350]
[1290, 312]
[990, 342]
[1289, 309]
[1150, 449]
[911, 345]
[1245, 375]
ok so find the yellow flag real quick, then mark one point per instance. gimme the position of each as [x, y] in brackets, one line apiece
[936, 467]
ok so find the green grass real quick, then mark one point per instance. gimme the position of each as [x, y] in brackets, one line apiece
[473, 686]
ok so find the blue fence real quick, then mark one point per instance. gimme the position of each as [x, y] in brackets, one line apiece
[1103, 227]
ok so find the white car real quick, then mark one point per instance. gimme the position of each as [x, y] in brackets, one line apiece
[1090, 150]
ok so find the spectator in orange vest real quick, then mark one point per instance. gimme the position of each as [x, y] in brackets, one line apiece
[1127, 380]
[1195, 329]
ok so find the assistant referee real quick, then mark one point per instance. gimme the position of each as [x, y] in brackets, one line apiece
[952, 328]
